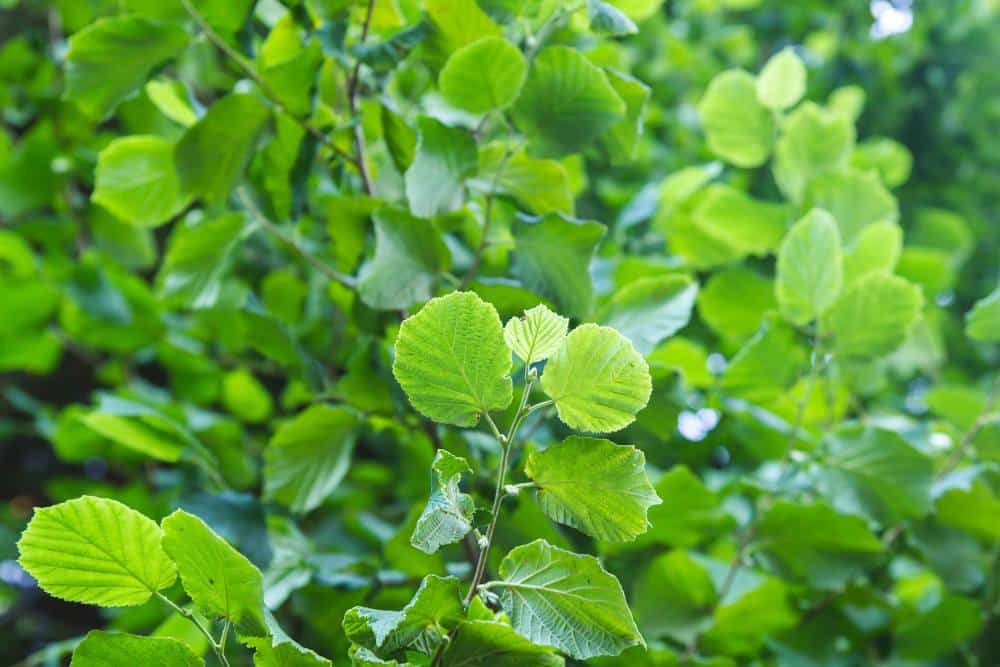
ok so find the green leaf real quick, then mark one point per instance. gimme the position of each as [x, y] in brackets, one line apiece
[445, 157]
[889, 158]
[597, 380]
[454, 24]
[171, 98]
[484, 75]
[111, 58]
[197, 259]
[649, 310]
[451, 360]
[810, 268]
[936, 632]
[541, 186]
[558, 598]
[95, 551]
[874, 315]
[309, 455]
[983, 321]
[733, 302]
[738, 128]
[876, 473]
[136, 181]
[875, 249]
[491, 644]
[245, 397]
[606, 19]
[742, 222]
[814, 141]
[746, 619]
[410, 253]
[566, 103]
[288, 67]
[420, 625]
[552, 259]
[447, 518]
[766, 366]
[286, 654]
[536, 335]
[595, 486]
[213, 153]
[673, 597]
[815, 543]
[967, 499]
[623, 137]
[102, 649]
[855, 199]
[782, 81]
[690, 514]
[218, 578]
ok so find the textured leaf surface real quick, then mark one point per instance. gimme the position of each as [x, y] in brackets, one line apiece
[137, 182]
[595, 486]
[553, 259]
[874, 315]
[649, 310]
[782, 81]
[434, 609]
[493, 644]
[536, 335]
[308, 456]
[113, 649]
[218, 578]
[447, 518]
[558, 598]
[95, 551]
[451, 360]
[810, 268]
[738, 128]
[597, 380]
[566, 103]
[409, 255]
[484, 75]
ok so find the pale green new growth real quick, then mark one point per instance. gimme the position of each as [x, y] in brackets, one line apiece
[874, 315]
[112, 649]
[447, 518]
[810, 268]
[484, 75]
[782, 81]
[558, 598]
[220, 580]
[536, 335]
[451, 360]
[738, 128]
[95, 551]
[595, 486]
[136, 180]
[983, 321]
[597, 380]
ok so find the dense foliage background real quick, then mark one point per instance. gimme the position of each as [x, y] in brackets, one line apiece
[215, 215]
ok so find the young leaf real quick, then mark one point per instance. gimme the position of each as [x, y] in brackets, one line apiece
[112, 57]
[218, 578]
[650, 310]
[597, 380]
[536, 335]
[782, 81]
[445, 157]
[451, 360]
[558, 598]
[874, 315]
[447, 518]
[595, 486]
[484, 75]
[95, 551]
[213, 153]
[875, 249]
[410, 253]
[553, 259]
[197, 259]
[814, 141]
[566, 103]
[137, 182]
[810, 268]
[420, 625]
[748, 225]
[983, 321]
[541, 186]
[875, 472]
[486, 643]
[855, 199]
[738, 128]
[309, 455]
[103, 649]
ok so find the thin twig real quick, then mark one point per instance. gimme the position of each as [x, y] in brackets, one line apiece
[352, 105]
[248, 68]
[260, 219]
[188, 614]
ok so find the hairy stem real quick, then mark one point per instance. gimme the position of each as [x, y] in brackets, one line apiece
[217, 646]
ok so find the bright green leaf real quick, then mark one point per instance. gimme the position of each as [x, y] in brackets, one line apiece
[983, 321]
[447, 517]
[536, 335]
[486, 643]
[103, 649]
[484, 75]
[137, 182]
[738, 128]
[650, 310]
[782, 81]
[874, 315]
[810, 271]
